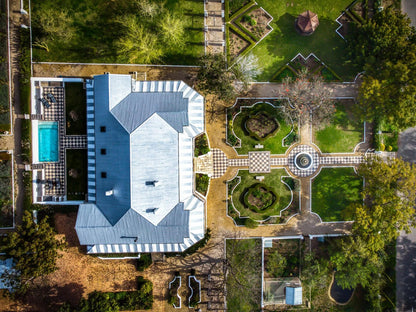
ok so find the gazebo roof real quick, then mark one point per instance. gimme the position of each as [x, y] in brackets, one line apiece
[307, 22]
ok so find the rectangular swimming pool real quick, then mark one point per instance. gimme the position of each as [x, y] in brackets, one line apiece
[48, 141]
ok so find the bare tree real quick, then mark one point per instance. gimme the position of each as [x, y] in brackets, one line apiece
[307, 97]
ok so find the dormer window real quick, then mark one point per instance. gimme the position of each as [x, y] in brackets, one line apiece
[103, 174]
[103, 151]
[102, 129]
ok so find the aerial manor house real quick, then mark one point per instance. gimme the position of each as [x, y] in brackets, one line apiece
[140, 137]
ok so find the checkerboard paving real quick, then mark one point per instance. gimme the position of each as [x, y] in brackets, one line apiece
[56, 111]
[278, 162]
[219, 163]
[259, 162]
[55, 172]
[303, 149]
[74, 141]
[239, 162]
[341, 160]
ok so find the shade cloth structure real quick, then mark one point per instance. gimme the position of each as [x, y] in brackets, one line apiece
[307, 22]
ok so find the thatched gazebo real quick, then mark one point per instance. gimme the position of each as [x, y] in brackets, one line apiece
[306, 23]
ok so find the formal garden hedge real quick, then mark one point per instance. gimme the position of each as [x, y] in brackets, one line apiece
[195, 297]
[259, 197]
[141, 299]
[261, 126]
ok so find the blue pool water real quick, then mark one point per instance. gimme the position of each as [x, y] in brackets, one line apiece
[48, 141]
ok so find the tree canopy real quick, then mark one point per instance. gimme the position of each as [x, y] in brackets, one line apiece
[34, 250]
[390, 194]
[385, 47]
[307, 96]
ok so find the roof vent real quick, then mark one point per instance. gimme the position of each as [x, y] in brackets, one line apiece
[152, 183]
[151, 210]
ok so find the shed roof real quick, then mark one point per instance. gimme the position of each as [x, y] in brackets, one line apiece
[307, 22]
[294, 295]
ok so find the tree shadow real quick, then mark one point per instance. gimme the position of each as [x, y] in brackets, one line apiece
[49, 298]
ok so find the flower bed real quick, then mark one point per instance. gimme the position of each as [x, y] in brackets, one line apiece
[174, 298]
[259, 197]
[261, 126]
[195, 287]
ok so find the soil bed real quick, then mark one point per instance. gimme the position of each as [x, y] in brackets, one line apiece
[262, 126]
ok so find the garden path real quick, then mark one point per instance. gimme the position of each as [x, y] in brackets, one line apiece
[214, 27]
[336, 90]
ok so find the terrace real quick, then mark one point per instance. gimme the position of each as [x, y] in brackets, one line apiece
[51, 143]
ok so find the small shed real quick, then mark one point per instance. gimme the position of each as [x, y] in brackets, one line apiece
[294, 295]
[306, 23]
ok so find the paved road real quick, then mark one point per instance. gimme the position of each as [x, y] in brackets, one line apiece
[406, 243]
[409, 7]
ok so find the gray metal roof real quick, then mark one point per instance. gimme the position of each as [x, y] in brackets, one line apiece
[149, 130]
[131, 228]
[137, 107]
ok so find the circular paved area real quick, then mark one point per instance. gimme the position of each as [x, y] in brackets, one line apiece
[303, 149]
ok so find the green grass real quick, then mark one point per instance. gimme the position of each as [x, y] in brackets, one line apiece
[244, 277]
[283, 43]
[333, 190]
[75, 108]
[272, 144]
[342, 134]
[76, 186]
[96, 31]
[271, 180]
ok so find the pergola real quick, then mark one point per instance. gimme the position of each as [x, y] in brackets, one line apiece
[306, 23]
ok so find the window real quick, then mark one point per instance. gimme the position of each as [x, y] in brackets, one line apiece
[103, 174]
[103, 151]
[102, 129]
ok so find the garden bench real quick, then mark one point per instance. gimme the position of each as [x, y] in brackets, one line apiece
[260, 178]
[258, 146]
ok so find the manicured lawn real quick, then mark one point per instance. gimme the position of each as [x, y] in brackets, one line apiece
[95, 27]
[333, 190]
[342, 134]
[76, 169]
[244, 275]
[6, 203]
[283, 43]
[272, 144]
[75, 108]
[271, 180]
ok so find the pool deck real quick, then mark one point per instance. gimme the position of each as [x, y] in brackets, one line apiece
[50, 177]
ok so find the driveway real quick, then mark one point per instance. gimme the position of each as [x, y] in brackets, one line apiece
[409, 7]
[406, 243]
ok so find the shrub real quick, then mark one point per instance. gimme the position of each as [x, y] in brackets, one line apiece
[291, 138]
[202, 183]
[382, 147]
[201, 145]
[250, 223]
[144, 262]
[389, 148]
[194, 248]
[263, 194]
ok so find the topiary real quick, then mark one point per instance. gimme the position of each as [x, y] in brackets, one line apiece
[382, 147]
